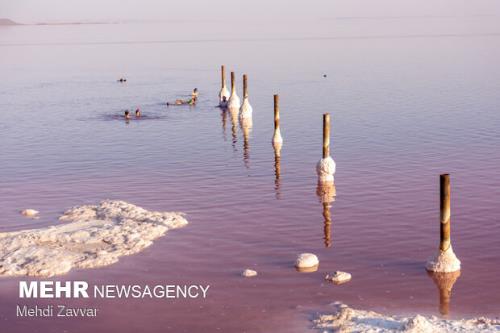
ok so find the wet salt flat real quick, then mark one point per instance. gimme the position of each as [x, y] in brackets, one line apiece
[409, 99]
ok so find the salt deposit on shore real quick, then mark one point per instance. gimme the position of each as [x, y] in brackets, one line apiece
[92, 236]
[347, 320]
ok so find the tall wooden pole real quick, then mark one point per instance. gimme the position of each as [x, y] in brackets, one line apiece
[223, 76]
[245, 86]
[232, 82]
[445, 241]
[326, 135]
[276, 112]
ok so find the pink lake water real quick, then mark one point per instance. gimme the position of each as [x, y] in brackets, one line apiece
[409, 98]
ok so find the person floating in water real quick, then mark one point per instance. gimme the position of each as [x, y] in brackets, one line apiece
[190, 101]
[138, 113]
[127, 115]
[223, 104]
[122, 80]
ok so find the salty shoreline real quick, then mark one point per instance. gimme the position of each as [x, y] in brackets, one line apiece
[346, 319]
[93, 236]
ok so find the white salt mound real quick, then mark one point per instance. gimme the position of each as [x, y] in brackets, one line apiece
[30, 212]
[249, 273]
[326, 170]
[306, 260]
[444, 262]
[346, 319]
[93, 236]
[338, 277]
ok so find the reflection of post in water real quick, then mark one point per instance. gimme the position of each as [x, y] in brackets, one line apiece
[444, 282]
[223, 115]
[326, 193]
[277, 171]
[246, 127]
[234, 127]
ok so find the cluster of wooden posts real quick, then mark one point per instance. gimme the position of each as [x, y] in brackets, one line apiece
[445, 261]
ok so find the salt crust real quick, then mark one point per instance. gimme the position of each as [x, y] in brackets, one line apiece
[246, 109]
[306, 260]
[92, 236]
[444, 262]
[346, 319]
[325, 170]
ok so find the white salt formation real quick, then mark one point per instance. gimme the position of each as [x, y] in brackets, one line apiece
[306, 260]
[249, 273]
[246, 109]
[444, 262]
[277, 138]
[326, 170]
[30, 212]
[346, 319]
[93, 236]
[338, 277]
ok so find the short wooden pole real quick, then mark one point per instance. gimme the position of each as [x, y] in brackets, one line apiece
[445, 241]
[326, 135]
[245, 86]
[223, 76]
[276, 112]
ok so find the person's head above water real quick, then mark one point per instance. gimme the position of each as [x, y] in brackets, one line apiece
[137, 112]
[127, 114]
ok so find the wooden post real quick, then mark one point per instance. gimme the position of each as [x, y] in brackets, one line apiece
[276, 112]
[326, 135]
[445, 241]
[232, 82]
[245, 86]
[223, 76]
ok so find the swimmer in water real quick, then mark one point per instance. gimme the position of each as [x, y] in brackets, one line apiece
[223, 103]
[191, 101]
[194, 94]
[138, 113]
[122, 80]
[127, 115]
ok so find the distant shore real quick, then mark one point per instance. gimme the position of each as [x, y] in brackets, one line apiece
[9, 22]
[4, 21]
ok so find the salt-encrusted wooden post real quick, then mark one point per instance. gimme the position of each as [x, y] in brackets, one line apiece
[277, 139]
[445, 261]
[326, 165]
[223, 90]
[245, 109]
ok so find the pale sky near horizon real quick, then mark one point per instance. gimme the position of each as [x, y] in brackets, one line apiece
[32, 11]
